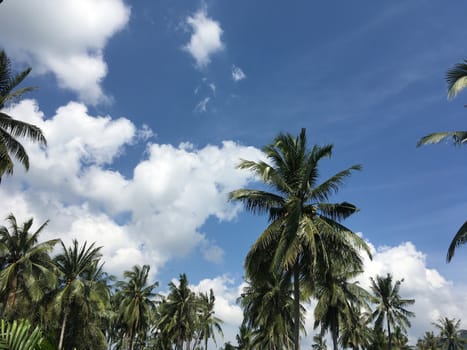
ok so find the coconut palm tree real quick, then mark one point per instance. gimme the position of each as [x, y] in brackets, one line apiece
[339, 300]
[178, 314]
[449, 337]
[428, 342]
[10, 128]
[319, 342]
[209, 323]
[389, 305]
[268, 312]
[299, 214]
[78, 295]
[137, 302]
[26, 267]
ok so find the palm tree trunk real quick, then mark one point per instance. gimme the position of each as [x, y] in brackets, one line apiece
[62, 331]
[12, 295]
[296, 292]
[389, 334]
[132, 338]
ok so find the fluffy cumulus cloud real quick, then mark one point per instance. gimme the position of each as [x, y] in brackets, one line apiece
[205, 38]
[64, 37]
[434, 296]
[148, 217]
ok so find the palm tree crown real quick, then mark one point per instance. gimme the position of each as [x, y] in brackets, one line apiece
[389, 305]
[11, 128]
[25, 264]
[137, 304]
[449, 337]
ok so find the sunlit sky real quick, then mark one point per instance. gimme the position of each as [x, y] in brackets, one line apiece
[149, 106]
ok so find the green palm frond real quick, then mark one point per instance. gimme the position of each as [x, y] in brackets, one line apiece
[456, 77]
[459, 239]
[19, 335]
[458, 138]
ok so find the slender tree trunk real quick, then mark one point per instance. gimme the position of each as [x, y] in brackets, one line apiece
[296, 292]
[132, 338]
[62, 331]
[389, 334]
[206, 343]
[12, 295]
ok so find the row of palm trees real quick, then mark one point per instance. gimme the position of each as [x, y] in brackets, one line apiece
[77, 305]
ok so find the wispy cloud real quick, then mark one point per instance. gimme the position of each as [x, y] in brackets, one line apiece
[205, 39]
[202, 105]
[237, 73]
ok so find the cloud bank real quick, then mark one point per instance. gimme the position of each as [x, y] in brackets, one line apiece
[150, 217]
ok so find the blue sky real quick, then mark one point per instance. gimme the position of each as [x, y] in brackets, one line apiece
[146, 121]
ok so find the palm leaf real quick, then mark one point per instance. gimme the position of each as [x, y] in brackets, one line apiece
[458, 138]
[456, 78]
[459, 239]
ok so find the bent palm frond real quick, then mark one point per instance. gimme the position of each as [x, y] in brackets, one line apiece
[458, 138]
[459, 239]
[456, 78]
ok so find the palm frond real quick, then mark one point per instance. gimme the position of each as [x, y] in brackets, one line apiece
[458, 138]
[456, 77]
[459, 239]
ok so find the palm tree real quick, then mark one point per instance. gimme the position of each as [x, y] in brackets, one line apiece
[11, 128]
[319, 342]
[298, 211]
[268, 312]
[428, 342]
[449, 337]
[389, 305]
[357, 335]
[178, 314]
[137, 305]
[339, 301]
[78, 295]
[26, 267]
[209, 323]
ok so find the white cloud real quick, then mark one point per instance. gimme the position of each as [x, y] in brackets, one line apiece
[148, 218]
[64, 37]
[202, 105]
[238, 74]
[205, 39]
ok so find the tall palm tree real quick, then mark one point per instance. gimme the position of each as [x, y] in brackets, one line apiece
[178, 314]
[10, 128]
[449, 337]
[77, 293]
[389, 305]
[299, 214]
[26, 267]
[137, 305]
[209, 323]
